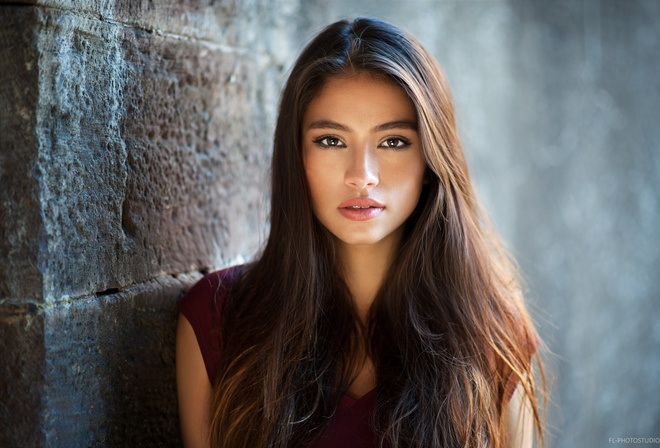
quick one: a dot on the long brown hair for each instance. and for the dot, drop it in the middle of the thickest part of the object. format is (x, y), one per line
(448, 333)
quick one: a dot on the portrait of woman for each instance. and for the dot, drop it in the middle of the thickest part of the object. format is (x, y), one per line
(382, 310)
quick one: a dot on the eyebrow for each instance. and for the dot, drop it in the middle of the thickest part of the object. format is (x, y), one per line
(398, 124)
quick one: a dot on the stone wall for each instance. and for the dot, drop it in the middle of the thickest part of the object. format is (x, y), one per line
(134, 143)
(133, 147)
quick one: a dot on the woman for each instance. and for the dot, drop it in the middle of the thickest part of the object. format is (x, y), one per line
(381, 312)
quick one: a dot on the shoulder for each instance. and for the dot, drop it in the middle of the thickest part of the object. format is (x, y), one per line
(202, 307)
(208, 293)
(211, 286)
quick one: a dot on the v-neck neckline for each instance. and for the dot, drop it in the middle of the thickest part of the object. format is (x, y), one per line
(349, 401)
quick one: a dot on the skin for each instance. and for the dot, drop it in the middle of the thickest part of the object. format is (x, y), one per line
(360, 140)
(519, 421)
(193, 387)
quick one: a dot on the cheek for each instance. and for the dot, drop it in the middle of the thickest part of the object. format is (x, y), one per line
(410, 177)
(414, 187)
(411, 192)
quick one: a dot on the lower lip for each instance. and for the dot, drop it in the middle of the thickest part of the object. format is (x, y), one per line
(360, 214)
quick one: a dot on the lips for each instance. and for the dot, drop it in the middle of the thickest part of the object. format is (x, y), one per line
(360, 209)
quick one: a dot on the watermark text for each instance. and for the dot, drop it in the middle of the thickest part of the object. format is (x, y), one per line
(633, 440)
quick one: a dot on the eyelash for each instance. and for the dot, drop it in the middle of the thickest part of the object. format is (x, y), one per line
(319, 142)
(402, 143)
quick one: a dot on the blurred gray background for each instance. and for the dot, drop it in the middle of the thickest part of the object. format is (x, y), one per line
(135, 142)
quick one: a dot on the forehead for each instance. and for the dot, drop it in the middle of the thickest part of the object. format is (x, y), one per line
(361, 96)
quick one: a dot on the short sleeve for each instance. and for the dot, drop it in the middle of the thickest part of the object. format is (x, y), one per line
(202, 306)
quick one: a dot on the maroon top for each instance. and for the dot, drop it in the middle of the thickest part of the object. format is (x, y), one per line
(350, 426)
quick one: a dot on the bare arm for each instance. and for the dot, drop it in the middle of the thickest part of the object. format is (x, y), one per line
(519, 420)
(193, 387)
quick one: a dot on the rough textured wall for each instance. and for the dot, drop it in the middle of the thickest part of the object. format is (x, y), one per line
(558, 107)
(133, 147)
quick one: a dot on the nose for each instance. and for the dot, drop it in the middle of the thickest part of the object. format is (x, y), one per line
(362, 171)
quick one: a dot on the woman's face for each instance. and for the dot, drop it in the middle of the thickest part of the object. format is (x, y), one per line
(363, 159)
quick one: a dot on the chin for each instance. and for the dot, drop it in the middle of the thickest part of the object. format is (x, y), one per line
(360, 240)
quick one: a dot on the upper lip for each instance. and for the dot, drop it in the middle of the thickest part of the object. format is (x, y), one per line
(361, 202)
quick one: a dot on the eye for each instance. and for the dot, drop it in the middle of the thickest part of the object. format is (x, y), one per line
(395, 143)
(329, 141)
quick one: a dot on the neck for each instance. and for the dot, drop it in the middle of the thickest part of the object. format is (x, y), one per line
(365, 267)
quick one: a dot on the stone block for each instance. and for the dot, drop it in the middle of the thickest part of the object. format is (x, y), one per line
(146, 157)
(96, 372)
(197, 156)
(110, 368)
